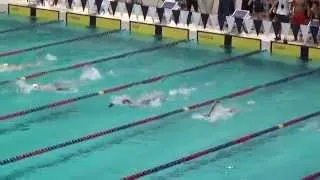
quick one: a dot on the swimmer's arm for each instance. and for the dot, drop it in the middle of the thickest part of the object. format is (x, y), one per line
(212, 108)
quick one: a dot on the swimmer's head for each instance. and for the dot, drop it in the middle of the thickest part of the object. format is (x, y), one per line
(35, 86)
(126, 101)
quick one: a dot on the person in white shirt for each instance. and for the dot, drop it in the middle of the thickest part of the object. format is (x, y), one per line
(282, 11)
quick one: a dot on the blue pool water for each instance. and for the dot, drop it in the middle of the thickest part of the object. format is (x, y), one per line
(288, 154)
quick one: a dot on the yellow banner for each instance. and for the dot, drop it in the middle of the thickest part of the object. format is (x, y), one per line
(78, 19)
(19, 10)
(141, 28)
(108, 24)
(208, 38)
(314, 54)
(285, 49)
(175, 33)
(50, 15)
(246, 43)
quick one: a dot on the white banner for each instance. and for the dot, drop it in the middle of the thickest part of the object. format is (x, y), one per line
(305, 32)
(152, 12)
(183, 17)
(266, 26)
(230, 22)
(213, 20)
(195, 19)
(285, 28)
(248, 23)
(92, 8)
(105, 7)
(76, 4)
(137, 11)
(121, 8)
(167, 14)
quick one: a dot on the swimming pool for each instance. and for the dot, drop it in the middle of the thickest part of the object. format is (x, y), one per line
(291, 152)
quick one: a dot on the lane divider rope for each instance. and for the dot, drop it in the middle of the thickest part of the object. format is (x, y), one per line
(106, 132)
(220, 147)
(100, 60)
(314, 176)
(121, 87)
(19, 51)
(33, 25)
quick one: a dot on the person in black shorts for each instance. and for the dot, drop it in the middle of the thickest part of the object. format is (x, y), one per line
(193, 3)
(226, 8)
(258, 8)
(282, 12)
(247, 6)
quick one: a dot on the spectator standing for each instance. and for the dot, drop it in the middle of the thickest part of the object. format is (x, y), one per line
(258, 8)
(282, 11)
(246, 5)
(299, 12)
(271, 9)
(226, 8)
(193, 3)
(314, 12)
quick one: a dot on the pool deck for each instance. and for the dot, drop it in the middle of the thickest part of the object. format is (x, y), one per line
(265, 39)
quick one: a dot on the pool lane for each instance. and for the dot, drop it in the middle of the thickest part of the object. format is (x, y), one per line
(160, 142)
(114, 73)
(74, 53)
(113, 118)
(119, 154)
(9, 22)
(40, 35)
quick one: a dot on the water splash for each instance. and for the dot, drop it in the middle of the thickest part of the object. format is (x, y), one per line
(220, 113)
(251, 102)
(111, 73)
(182, 91)
(51, 57)
(90, 73)
(153, 99)
(23, 87)
(118, 100)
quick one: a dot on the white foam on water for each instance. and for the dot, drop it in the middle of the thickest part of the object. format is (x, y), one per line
(311, 126)
(90, 73)
(182, 91)
(51, 57)
(251, 102)
(220, 113)
(111, 73)
(154, 98)
(119, 99)
(156, 103)
(70, 91)
(24, 87)
(208, 84)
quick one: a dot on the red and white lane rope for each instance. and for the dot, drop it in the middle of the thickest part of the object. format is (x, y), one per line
(220, 147)
(121, 87)
(156, 118)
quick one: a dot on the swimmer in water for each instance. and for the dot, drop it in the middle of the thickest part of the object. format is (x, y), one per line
(16, 67)
(214, 106)
(51, 87)
(124, 102)
(144, 101)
